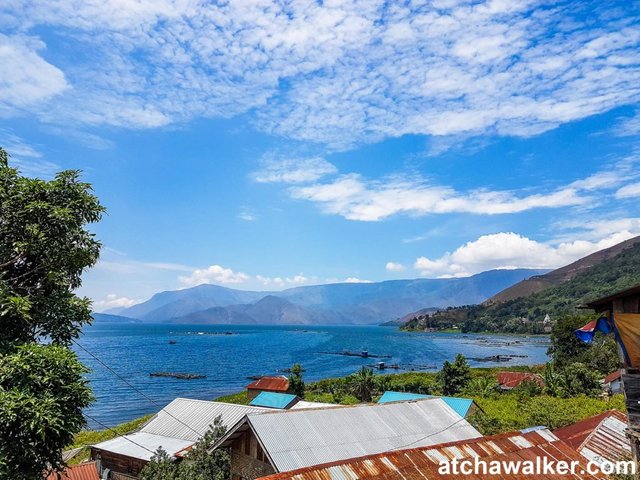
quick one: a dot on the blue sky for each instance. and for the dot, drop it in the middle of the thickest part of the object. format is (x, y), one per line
(264, 145)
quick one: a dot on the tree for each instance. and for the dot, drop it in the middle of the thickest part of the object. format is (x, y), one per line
(454, 377)
(296, 383)
(44, 249)
(199, 463)
(363, 384)
(578, 379)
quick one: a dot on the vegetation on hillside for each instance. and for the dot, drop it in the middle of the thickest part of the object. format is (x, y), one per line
(44, 249)
(527, 314)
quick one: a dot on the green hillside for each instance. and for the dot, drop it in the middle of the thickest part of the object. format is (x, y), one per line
(526, 314)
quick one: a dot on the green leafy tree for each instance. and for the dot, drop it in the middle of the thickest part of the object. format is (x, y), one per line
(44, 249)
(296, 383)
(454, 377)
(578, 379)
(482, 387)
(363, 384)
(199, 463)
(160, 467)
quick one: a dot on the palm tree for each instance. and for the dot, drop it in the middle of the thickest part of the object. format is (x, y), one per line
(363, 384)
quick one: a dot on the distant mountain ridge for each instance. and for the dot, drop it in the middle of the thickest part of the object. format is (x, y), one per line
(340, 303)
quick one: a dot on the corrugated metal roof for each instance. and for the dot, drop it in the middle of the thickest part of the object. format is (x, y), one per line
(273, 400)
(194, 417)
(177, 426)
(274, 384)
(302, 438)
(509, 380)
(577, 433)
(423, 463)
(143, 445)
(304, 404)
(83, 471)
(460, 405)
(598, 438)
(613, 376)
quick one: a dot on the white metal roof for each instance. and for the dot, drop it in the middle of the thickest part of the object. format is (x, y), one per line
(143, 445)
(178, 425)
(304, 404)
(302, 438)
(190, 419)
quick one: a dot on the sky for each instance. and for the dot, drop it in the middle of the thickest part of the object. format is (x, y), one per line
(265, 145)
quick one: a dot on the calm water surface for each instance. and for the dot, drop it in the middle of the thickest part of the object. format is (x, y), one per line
(134, 351)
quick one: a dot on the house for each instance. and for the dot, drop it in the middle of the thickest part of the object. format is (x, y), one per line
(510, 380)
(599, 438)
(613, 382)
(83, 471)
(277, 384)
(175, 428)
(282, 401)
(462, 406)
(425, 462)
(286, 440)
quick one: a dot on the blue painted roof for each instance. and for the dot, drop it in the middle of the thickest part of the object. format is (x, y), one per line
(273, 400)
(459, 405)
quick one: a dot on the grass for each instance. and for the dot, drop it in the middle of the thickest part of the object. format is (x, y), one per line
(239, 398)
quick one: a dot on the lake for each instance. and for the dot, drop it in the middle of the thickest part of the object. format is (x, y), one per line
(134, 351)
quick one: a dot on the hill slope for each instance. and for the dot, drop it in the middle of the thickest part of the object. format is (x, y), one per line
(108, 318)
(342, 303)
(526, 314)
(538, 283)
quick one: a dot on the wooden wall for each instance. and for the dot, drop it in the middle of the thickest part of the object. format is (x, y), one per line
(118, 463)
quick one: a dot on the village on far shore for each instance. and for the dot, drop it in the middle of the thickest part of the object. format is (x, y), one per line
(272, 432)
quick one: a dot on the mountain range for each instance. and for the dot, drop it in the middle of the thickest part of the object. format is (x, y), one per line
(339, 303)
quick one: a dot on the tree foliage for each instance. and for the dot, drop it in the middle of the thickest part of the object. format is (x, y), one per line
(198, 464)
(44, 249)
(363, 384)
(454, 377)
(296, 383)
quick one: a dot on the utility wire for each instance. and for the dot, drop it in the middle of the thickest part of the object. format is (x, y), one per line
(118, 434)
(425, 437)
(137, 390)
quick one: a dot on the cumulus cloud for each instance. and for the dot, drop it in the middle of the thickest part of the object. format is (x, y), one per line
(213, 274)
(507, 250)
(355, 280)
(293, 170)
(25, 77)
(280, 282)
(113, 301)
(395, 267)
(337, 73)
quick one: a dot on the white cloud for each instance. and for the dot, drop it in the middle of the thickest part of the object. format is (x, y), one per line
(356, 198)
(509, 250)
(395, 267)
(355, 280)
(629, 126)
(337, 73)
(247, 214)
(629, 191)
(25, 77)
(113, 301)
(280, 282)
(213, 274)
(293, 170)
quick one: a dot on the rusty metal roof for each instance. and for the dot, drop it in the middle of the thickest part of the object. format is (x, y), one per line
(424, 462)
(83, 471)
(613, 376)
(513, 379)
(271, 384)
(598, 438)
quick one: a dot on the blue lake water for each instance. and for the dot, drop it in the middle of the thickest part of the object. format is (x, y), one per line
(134, 351)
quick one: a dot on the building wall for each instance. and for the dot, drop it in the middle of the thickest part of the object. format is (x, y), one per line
(253, 392)
(118, 463)
(248, 460)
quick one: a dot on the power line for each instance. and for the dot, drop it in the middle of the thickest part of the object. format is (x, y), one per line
(137, 390)
(118, 434)
(427, 436)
